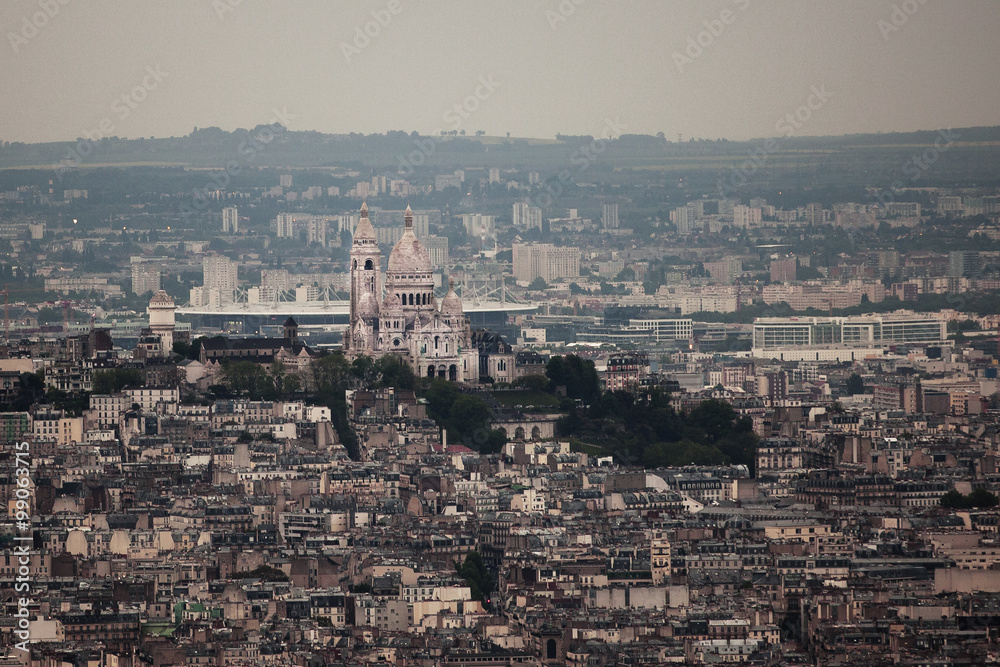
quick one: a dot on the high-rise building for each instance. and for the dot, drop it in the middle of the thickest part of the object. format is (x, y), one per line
(382, 217)
(905, 209)
(963, 264)
(145, 277)
(316, 231)
(273, 282)
(285, 180)
(745, 217)
(401, 188)
(784, 270)
(545, 261)
(815, 214)
(494, 175)
(347, 221)
(421, 224)
(230, 220)
(363, 190)
(437, 248)
(442, 181)
(527, 216)
(950, 205)
(683, 218)
(478, 225)
(725, 269)
(219, 274)
(285, 228)
(609, 219)
(388, 235)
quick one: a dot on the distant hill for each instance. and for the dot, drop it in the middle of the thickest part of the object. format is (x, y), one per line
(973, 156)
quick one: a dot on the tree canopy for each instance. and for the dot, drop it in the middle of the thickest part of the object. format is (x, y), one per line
(577, 375)
(979, 498)
(113, 380)
(465, 416)
(479, 579)
(646, 430)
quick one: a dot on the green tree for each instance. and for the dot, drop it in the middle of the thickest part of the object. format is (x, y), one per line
(953, 499)
(465, 416)
(395, 372)
(803, 272)
(190, 350)
(577, 375)
(479, 579)
(30, 390)
(292, 384)
(113, 380)
(331, 375)
(538, 284)
(364, 371)
(855, 385)
(247, 378)
(983, 498)
(979, 498)
(533, 382)
(714, 417)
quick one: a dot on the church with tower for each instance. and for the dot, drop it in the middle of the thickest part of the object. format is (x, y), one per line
(401, 315)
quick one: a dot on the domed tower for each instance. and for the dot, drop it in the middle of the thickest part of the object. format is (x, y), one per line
(409, 274)
(366, 286)
(451, 307)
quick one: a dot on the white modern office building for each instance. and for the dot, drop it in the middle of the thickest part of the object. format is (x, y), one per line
(843, 338)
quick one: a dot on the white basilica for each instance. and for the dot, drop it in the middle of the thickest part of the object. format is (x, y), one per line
(406, 320)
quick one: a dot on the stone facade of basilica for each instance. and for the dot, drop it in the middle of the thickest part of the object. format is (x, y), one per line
(401, 316)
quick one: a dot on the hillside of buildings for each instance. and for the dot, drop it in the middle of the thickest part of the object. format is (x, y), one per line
(644, 416)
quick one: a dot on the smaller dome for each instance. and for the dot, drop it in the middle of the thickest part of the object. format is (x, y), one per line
(451, 304)
(367, 306)
(392, 306)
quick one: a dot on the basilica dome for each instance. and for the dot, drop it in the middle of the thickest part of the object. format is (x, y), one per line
(409, 255)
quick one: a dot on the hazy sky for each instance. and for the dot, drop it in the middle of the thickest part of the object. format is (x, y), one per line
(539, 67)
